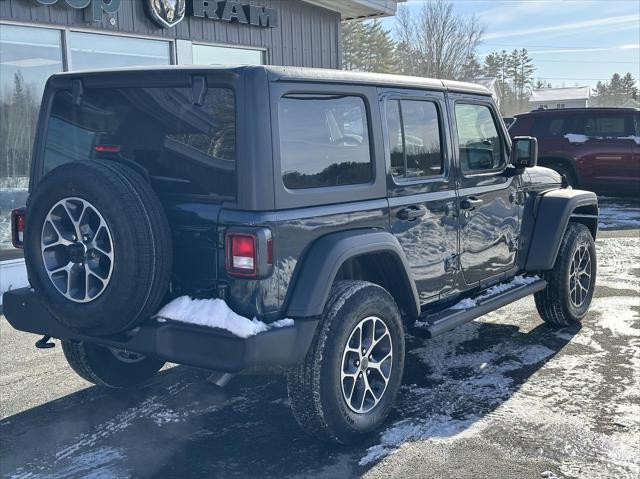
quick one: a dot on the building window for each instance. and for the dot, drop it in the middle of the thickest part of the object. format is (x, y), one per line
(414, 138)
(92, 50)
(28, 56)
(213, 55)
(324, 141)
(560, 105)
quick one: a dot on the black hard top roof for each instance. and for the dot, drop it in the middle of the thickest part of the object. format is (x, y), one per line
(277, 73)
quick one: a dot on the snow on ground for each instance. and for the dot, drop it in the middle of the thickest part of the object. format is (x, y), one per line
(618, 213)
(215, 313)
(582, 409)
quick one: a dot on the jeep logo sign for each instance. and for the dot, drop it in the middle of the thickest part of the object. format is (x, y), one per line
(168, 13)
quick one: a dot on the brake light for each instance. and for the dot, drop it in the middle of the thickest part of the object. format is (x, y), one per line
(107, 148)
(242, 254)
(18, 222)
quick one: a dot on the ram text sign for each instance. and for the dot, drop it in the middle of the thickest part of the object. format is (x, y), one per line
(168, 13)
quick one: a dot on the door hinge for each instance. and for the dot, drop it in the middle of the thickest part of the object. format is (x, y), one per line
(221, 234)
(452, 263)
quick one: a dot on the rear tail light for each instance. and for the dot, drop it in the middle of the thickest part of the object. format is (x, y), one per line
(249, 253)
(243, 257)
(18, 222)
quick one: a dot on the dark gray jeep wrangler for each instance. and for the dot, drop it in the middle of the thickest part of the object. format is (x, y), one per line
(360, 206)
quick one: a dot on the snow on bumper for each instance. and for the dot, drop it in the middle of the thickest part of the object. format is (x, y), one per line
(177, 342)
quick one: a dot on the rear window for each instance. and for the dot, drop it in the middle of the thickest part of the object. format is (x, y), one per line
(185, 148)
(324, 141)
(551, 126)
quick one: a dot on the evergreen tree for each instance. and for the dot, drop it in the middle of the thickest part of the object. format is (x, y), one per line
(471, 69)
(491, 67)
(629, 86)
(367, 46)
(616, 91)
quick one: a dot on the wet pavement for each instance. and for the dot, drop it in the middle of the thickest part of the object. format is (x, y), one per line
(501, 397)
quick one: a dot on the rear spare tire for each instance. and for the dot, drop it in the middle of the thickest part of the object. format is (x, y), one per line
(97, 246)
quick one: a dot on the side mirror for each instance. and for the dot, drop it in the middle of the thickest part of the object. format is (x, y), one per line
(524, 152)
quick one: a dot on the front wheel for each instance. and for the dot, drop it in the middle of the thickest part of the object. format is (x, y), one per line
(110, 367)
(351, 376)
(571, 282)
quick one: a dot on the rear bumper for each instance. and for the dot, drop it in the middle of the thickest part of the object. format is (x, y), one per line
(172, 341)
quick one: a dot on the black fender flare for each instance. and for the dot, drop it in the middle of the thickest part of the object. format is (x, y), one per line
(554, 210)
(312, 284)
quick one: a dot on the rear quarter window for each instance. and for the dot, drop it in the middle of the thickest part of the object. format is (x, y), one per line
(324, 141)
(183, 147)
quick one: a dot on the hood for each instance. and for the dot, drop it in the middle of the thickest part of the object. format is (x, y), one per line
(541, 176)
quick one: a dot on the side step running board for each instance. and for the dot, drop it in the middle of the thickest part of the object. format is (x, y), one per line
(470, 309)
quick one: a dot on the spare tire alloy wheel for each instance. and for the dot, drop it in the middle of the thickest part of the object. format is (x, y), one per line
(77, 249)
(366, 365)
(97, 246)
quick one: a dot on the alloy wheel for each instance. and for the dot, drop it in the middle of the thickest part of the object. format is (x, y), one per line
(366, 365)
(580, 276)
(77, 249)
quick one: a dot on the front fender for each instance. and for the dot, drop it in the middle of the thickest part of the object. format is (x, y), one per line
(320, 266)
(554, 211)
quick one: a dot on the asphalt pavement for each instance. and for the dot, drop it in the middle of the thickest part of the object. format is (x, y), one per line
(501, 397)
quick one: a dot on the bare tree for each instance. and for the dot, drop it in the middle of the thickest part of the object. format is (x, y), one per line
(436, 42)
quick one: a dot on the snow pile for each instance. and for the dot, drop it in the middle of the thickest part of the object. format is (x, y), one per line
(574, 138)
(215, 313)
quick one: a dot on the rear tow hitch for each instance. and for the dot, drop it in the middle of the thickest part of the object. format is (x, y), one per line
(44, 343)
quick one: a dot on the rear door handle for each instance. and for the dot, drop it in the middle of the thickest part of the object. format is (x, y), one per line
(471, 203)
(412, 212)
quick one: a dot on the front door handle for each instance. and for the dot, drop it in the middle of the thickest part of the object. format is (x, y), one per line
(412, 212)
(471, 203)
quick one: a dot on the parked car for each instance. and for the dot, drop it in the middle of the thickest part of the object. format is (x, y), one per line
(594, 148)
(339, 210)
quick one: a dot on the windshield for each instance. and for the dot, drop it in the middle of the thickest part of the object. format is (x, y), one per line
(183, 147)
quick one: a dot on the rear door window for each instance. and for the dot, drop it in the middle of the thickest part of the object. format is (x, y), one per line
(480, 147)
(413, 128)
(183, 147)
(610, 125)
(551, 126)
(324, 141)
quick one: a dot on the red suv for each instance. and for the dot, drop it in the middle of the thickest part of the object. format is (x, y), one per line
(594, 148)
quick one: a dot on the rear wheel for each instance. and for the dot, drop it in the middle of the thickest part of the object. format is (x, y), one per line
(571, 282)
(351, 376)
(110, 367)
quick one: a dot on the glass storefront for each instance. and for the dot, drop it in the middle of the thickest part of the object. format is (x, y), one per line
(28, 56)
(214, 55)
(92, 50)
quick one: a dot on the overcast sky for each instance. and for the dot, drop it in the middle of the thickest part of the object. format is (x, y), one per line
(571, 41)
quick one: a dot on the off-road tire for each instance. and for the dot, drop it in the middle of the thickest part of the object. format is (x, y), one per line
(100, 365)
(142, 247)
(553, 303)
(314, 386)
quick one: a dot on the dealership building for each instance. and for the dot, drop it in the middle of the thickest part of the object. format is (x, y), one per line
(42, 37)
